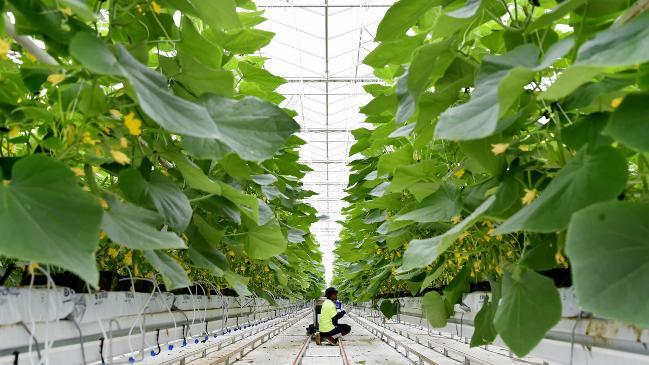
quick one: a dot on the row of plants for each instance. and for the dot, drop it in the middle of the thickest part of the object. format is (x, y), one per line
(144, 138)
(507, 148)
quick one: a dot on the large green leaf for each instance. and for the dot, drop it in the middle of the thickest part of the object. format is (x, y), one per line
(400, 17)
(202, 247)
(94, 55)
(238, 283)
(247, 40)
(629, 122)
(393, 53)
(485, 331)
(529, 307)
(442, 205)
(434, 307)
(389, 308)
(194, 44)
(622, 46)
(499, 84)
(478, 118)
(194, 176)
(251, 127)
(589, 177)
(264, 242)
(136, 227)
(554, 14)
(45, 217)
(429, 64)
(209, 149)
(173, 274)
(220, 14)
(609, 255)
(407, 175)
(159, 191)
(169, 111)
(81, 9)
(422, 252)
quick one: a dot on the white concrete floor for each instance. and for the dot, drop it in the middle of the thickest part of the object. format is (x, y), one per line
(361, 346)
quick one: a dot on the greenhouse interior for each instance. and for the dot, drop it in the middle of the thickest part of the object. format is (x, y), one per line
(446, 182)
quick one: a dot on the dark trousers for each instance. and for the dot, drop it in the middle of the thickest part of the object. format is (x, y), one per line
(340, 329)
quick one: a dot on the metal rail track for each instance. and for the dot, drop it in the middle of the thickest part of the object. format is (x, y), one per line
(268, 330)
(450, 352)
(305, 346)
(303, 349)
(395, 343)
(343, 353)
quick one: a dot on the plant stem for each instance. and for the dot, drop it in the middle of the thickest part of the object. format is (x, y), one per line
(90, 178)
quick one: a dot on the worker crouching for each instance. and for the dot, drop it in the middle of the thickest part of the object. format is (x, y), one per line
(329, 327)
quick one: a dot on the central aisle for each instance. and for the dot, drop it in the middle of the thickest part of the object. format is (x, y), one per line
(361, 347)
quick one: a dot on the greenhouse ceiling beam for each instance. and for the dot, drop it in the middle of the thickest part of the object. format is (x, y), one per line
(332, 79)
(325, 6)
(323, 130)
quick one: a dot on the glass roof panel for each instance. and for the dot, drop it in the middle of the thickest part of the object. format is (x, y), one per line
(319, 48)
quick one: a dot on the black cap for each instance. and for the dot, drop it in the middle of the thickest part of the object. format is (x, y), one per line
(330, 291)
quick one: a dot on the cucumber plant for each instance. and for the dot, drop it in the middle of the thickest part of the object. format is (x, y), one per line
(509, 141)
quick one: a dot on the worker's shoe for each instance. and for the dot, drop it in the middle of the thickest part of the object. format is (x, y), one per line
(318, 340)
(332, 341)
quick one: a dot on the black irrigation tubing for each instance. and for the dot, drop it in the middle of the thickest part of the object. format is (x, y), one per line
(157, 342)
(101, 350)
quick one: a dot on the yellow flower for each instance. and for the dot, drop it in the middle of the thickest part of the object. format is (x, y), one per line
(530, 195)
(499, 269)
(499, 237)
(128, 258)
(99, 152)
(120, 157)
(558, 257)
(464, 235)
(55, 79)
(524, 148)
(115, 113)
(156, 7)
(133, 124)
(14, 132)
(616, 102)
(123, 142)
(113, 252)
(456, 219)
(4, 48)
(103, 203)
(266, 269)
(139, 8)
(69, 134)
(149, 275)
(77, 171)
(30, 57)
(231, 253)
(499, 148)
(86, 138)
(32, 267)
(66, 11)
(459, 173)
(102, 235)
